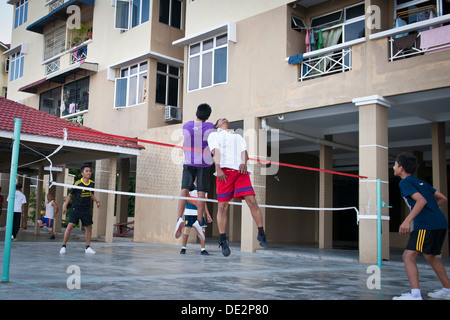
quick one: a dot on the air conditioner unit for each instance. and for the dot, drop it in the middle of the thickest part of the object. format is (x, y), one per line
(172, 114)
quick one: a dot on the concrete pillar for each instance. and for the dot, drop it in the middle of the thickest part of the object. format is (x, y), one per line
(123, 184)
(439, 158)
(103, 218)
(256, 146)
(59, 199)
(326, 197)
(39, 192)
(26, 182)
(373, 163)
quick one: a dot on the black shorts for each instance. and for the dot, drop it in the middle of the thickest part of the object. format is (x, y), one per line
(84, 216)
(189, 175)
(427, 241)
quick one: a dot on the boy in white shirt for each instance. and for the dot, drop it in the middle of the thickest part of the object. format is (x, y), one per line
(233, 180)
(51, 208)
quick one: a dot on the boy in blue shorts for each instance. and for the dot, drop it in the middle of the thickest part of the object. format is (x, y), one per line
(429, 227)
(51, 209)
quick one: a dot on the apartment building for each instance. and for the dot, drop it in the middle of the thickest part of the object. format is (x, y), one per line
(336, 85)
(4, 66)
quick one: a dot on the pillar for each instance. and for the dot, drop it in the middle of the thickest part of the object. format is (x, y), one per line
(439, 164)
(103, 218)
(373, 163)
(326, 197)
(123, 184)
(59, 199)
(39, 192)
(256, 146)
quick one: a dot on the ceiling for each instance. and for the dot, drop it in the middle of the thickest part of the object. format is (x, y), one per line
(409, 122)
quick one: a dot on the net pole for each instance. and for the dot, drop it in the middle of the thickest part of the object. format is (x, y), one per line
(11, 199)
(379, 222)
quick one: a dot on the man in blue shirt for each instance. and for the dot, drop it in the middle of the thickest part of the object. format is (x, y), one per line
(429, 227)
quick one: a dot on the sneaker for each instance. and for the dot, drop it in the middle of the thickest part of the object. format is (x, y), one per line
(225, 248)
(440, 294)
(178, 228)
(52, 236)
(407, 296)
(262, 240)
(89, 250)
(199, 230)
(63, 250)
(183, 251)
(204, 253)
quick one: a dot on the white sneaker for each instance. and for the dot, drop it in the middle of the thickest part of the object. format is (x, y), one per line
(178, 228)
(407, 296)
(89, 250)
(63, 250)
(440, 294)
(199, 229)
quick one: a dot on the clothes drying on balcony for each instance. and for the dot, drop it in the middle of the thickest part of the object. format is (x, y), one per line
(434, 39)
(405, 43)
(296, 59)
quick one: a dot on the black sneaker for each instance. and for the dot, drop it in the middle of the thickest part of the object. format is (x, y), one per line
(204, 253)
(225, 248)
(262, 240)
(183, 251)
(52, 236)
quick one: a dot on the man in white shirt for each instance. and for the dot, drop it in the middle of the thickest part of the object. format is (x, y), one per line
(19, 210)
(233, 180)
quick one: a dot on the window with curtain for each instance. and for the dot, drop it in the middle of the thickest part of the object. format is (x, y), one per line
(208, 62)
(131, 86)
(131, 13)
(339, 26)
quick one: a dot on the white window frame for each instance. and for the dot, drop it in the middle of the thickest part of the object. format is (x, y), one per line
(167, 76)
(344, 18)
(16, 66)
(20, 13)
(126, 78)
(201, 54)
(130, 14)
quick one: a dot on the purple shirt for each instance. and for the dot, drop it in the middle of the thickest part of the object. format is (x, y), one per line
(196, 137)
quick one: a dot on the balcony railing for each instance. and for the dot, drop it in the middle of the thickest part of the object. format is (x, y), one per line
(410, 40)
(327, 61)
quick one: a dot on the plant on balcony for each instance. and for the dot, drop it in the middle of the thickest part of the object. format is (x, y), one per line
(84, 33)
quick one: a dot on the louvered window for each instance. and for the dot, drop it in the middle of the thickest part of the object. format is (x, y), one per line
(54, 42)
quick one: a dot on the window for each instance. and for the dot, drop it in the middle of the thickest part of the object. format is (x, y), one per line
(167, 84)
(170, 12)
(208, 62)
(410, 11)
(21, 13)
(54, 42)
(297, 24)
(50, 101)
(131, 87)
(131, 13)
(75, 97)
(340, 26)
(16, 66)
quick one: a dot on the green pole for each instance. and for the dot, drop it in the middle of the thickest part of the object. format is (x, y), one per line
(11, 198)
(379, 221)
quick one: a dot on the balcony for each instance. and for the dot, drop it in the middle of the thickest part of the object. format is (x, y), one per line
(58, 13)
(417, 39)
(327, 61)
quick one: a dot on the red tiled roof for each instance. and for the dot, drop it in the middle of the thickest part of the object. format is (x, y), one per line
(37, 122)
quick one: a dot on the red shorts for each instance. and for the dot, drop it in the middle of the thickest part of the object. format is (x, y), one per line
(238, 185)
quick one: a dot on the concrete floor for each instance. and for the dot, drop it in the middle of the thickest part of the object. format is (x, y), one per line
(125, 270)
